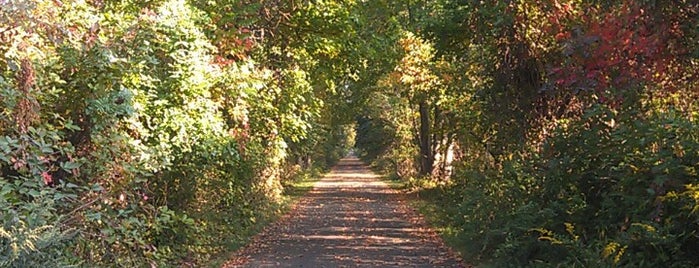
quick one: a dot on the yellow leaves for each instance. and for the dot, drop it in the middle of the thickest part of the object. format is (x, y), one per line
(678, 150)
(553, 240)
(693, 193)
(689, 198)
(645, 227)
(415, 68)
(22, 239)
(694, 190)
(571, 231)
(614, 250)
(550, 236)
(547, 235)
(328, 48)
(609, 249)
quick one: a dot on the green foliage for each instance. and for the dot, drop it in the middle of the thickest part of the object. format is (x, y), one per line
(142, 134)
(571, 150)
(32, 234)
(161, 133)
(596, 189)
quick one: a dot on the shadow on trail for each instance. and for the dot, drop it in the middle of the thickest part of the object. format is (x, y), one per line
(350, 218)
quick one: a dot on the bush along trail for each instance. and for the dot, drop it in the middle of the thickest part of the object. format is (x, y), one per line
(166, 133)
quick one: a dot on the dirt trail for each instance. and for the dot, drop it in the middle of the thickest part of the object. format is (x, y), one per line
(349, 219)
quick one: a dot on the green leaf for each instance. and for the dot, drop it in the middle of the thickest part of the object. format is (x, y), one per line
(69, 125)
(68, 166)
(7, 188)
(96, 216)
(47, 149)
(34, 193)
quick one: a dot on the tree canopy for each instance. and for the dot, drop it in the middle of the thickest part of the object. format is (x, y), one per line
(557, 132)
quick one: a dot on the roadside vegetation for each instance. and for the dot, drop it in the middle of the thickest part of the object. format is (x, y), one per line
(546, 133)
(165, 133)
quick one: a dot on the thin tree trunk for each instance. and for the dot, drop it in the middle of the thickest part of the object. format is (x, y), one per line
(426, 156)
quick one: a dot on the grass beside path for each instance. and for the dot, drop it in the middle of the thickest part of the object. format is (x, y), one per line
(436, 208)
(297, 188)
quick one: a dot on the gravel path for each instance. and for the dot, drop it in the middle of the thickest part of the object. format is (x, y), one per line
(349, 219)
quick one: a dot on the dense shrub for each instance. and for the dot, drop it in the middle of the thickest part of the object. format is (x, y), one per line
(573, 125)
(126, 139)
(610, 188)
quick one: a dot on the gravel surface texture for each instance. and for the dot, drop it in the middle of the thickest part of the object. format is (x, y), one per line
(349, 219)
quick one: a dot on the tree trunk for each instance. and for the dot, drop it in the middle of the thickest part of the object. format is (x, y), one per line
(426, 156)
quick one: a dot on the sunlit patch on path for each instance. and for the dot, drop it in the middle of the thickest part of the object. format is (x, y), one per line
(349, 219)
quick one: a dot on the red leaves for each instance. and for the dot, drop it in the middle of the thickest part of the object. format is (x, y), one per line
(562, 36)
(222, 61)
(48, 179)
(615, 49)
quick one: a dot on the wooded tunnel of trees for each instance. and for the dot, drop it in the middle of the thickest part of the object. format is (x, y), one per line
(160, 133)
